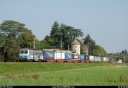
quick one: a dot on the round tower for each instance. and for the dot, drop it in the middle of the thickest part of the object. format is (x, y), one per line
(75, 47)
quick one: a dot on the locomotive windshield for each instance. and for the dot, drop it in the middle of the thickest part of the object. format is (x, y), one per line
(22, 52)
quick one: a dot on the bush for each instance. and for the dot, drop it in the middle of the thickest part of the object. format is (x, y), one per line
(35, 76)
(9, 75)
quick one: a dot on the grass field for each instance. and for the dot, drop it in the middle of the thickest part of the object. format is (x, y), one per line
(59, 74)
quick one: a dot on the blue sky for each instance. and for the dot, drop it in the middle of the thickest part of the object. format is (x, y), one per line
(105, 20)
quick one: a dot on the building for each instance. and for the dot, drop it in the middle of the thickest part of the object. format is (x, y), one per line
(84, 47)
(75, 47)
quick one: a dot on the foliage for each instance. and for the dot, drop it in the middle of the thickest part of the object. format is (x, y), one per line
(67, 33)
(49, 40)
(44, 45)
(90, 43)
(94, 49)
(122, 55)
(13, 36)
(26, 40)
(11, 28)
(99, 51)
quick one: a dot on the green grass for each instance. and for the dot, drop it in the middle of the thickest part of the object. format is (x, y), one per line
(55, 74)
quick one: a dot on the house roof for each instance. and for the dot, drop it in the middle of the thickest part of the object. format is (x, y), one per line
(75, 42)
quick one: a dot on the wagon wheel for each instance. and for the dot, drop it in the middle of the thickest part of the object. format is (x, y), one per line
(30, 60)
(39, 60)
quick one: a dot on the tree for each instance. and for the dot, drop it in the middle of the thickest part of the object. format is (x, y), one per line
(11, 28)
(44, 44)
(14, 34)
(94, 49)
(49, 41)
(120, 55)
(125, 51)
(64, 32)
(26, 40)
(99, 51)
(91, 43)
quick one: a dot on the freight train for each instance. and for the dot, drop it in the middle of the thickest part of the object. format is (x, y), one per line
(55, 55)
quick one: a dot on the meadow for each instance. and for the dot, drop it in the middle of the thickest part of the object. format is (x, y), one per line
(63, 74)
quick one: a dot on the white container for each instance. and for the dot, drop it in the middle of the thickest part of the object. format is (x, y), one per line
(75, 56)
(104, 58)
(58, 55)
(98, 59)
(91, 58)
(95, 58)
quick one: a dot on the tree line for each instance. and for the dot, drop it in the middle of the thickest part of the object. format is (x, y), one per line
(122, 55)
(14, 36)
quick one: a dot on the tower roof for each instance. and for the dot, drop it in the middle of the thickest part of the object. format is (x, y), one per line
(75, 42)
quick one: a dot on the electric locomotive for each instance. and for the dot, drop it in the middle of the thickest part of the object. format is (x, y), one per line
(30, 55)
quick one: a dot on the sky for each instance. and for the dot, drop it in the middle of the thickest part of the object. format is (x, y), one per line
(106, 21)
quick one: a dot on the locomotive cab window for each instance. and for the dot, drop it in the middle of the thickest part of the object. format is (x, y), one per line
(26, 51)
(22, 52)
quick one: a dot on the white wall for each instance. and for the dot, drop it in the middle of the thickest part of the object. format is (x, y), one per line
(77, 48)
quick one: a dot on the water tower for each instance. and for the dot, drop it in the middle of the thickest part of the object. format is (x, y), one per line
(75, 47)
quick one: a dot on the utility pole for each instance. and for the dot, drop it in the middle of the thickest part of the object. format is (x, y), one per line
(61, 47)
(33, 47)
(87, 51)
(34, 43)
(124, 59)
(68, 47)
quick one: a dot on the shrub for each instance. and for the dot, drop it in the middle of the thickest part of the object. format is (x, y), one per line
(9, 75)
(35, 76)
(122, 78)
(24, 76)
